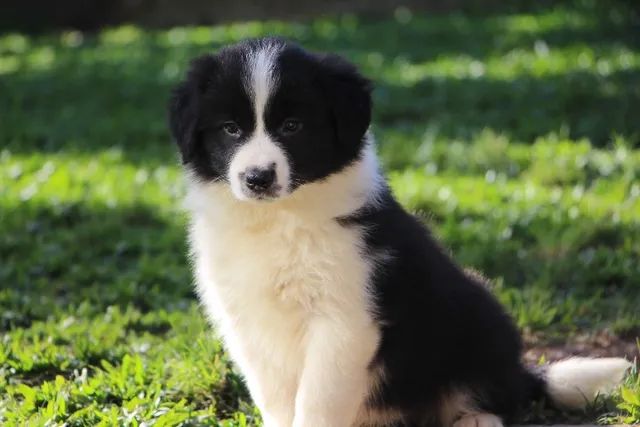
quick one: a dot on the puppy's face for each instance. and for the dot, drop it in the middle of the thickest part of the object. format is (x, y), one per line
(266, 117)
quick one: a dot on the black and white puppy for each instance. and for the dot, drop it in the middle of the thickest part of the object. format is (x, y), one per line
(338, 306)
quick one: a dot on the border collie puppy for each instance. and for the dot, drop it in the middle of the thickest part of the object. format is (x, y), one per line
(337, 305)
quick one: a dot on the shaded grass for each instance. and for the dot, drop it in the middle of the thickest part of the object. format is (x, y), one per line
(515, 136)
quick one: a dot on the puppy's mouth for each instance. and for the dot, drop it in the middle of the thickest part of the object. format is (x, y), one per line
(267, 195)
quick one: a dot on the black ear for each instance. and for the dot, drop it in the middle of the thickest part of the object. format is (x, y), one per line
(184, 104)
(349, 94)
(183, 118)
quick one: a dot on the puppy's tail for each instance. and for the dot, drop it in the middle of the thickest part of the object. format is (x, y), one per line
(575, 383)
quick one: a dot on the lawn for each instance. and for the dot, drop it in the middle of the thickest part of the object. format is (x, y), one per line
(515, 135)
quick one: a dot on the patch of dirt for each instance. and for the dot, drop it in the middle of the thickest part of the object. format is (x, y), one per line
(601, 343)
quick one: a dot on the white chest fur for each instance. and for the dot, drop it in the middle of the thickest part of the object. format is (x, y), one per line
(261, 282)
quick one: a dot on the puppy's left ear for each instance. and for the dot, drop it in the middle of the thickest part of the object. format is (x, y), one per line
(349, 94)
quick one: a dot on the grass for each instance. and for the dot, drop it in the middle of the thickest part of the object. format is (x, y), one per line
(515, 135)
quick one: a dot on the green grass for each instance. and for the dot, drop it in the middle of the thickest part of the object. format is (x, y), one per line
(515, 135)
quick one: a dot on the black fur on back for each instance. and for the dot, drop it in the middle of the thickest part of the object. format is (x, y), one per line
(442, 330)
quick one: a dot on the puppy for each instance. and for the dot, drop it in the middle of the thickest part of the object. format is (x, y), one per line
(339, 307)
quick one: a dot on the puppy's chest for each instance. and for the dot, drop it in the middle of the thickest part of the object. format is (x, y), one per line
(287, 266)
(261, 285)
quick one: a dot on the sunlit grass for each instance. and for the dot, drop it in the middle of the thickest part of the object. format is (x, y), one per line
(515, 136)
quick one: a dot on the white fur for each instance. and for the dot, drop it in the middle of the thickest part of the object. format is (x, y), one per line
(260, 151)
(287, 287)
(479, 420)
(261, 79)
(576, 382)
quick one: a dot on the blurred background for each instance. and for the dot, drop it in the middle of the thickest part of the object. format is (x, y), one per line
(511, 127)
(38, 15)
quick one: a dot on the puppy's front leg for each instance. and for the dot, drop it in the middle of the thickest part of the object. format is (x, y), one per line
(335, 377)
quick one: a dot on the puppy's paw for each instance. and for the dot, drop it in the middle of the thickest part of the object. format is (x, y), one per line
(479, 420)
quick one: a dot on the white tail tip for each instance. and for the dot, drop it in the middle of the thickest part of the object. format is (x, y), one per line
(576, 382)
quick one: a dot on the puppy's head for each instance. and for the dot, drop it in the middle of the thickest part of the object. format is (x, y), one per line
(265, 117)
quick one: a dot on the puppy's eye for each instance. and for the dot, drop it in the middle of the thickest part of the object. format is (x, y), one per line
(290, 126)
(231, 128)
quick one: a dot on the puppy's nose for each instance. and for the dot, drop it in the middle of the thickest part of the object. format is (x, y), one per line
(260, 179)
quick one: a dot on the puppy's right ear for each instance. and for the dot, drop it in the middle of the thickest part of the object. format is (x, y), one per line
(184, 105)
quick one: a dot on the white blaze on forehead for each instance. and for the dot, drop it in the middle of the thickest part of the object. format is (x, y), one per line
(262, 78)
(260, 151)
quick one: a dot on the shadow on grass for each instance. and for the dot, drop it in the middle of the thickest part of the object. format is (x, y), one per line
(56, 258)
(523, 108)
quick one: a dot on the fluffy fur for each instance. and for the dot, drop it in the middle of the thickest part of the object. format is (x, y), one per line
(339, 307)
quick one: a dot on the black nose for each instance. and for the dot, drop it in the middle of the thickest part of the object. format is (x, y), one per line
(258, 179)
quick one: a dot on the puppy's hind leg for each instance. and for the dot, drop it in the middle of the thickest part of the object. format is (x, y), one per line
(459, 409)
(479, 420)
